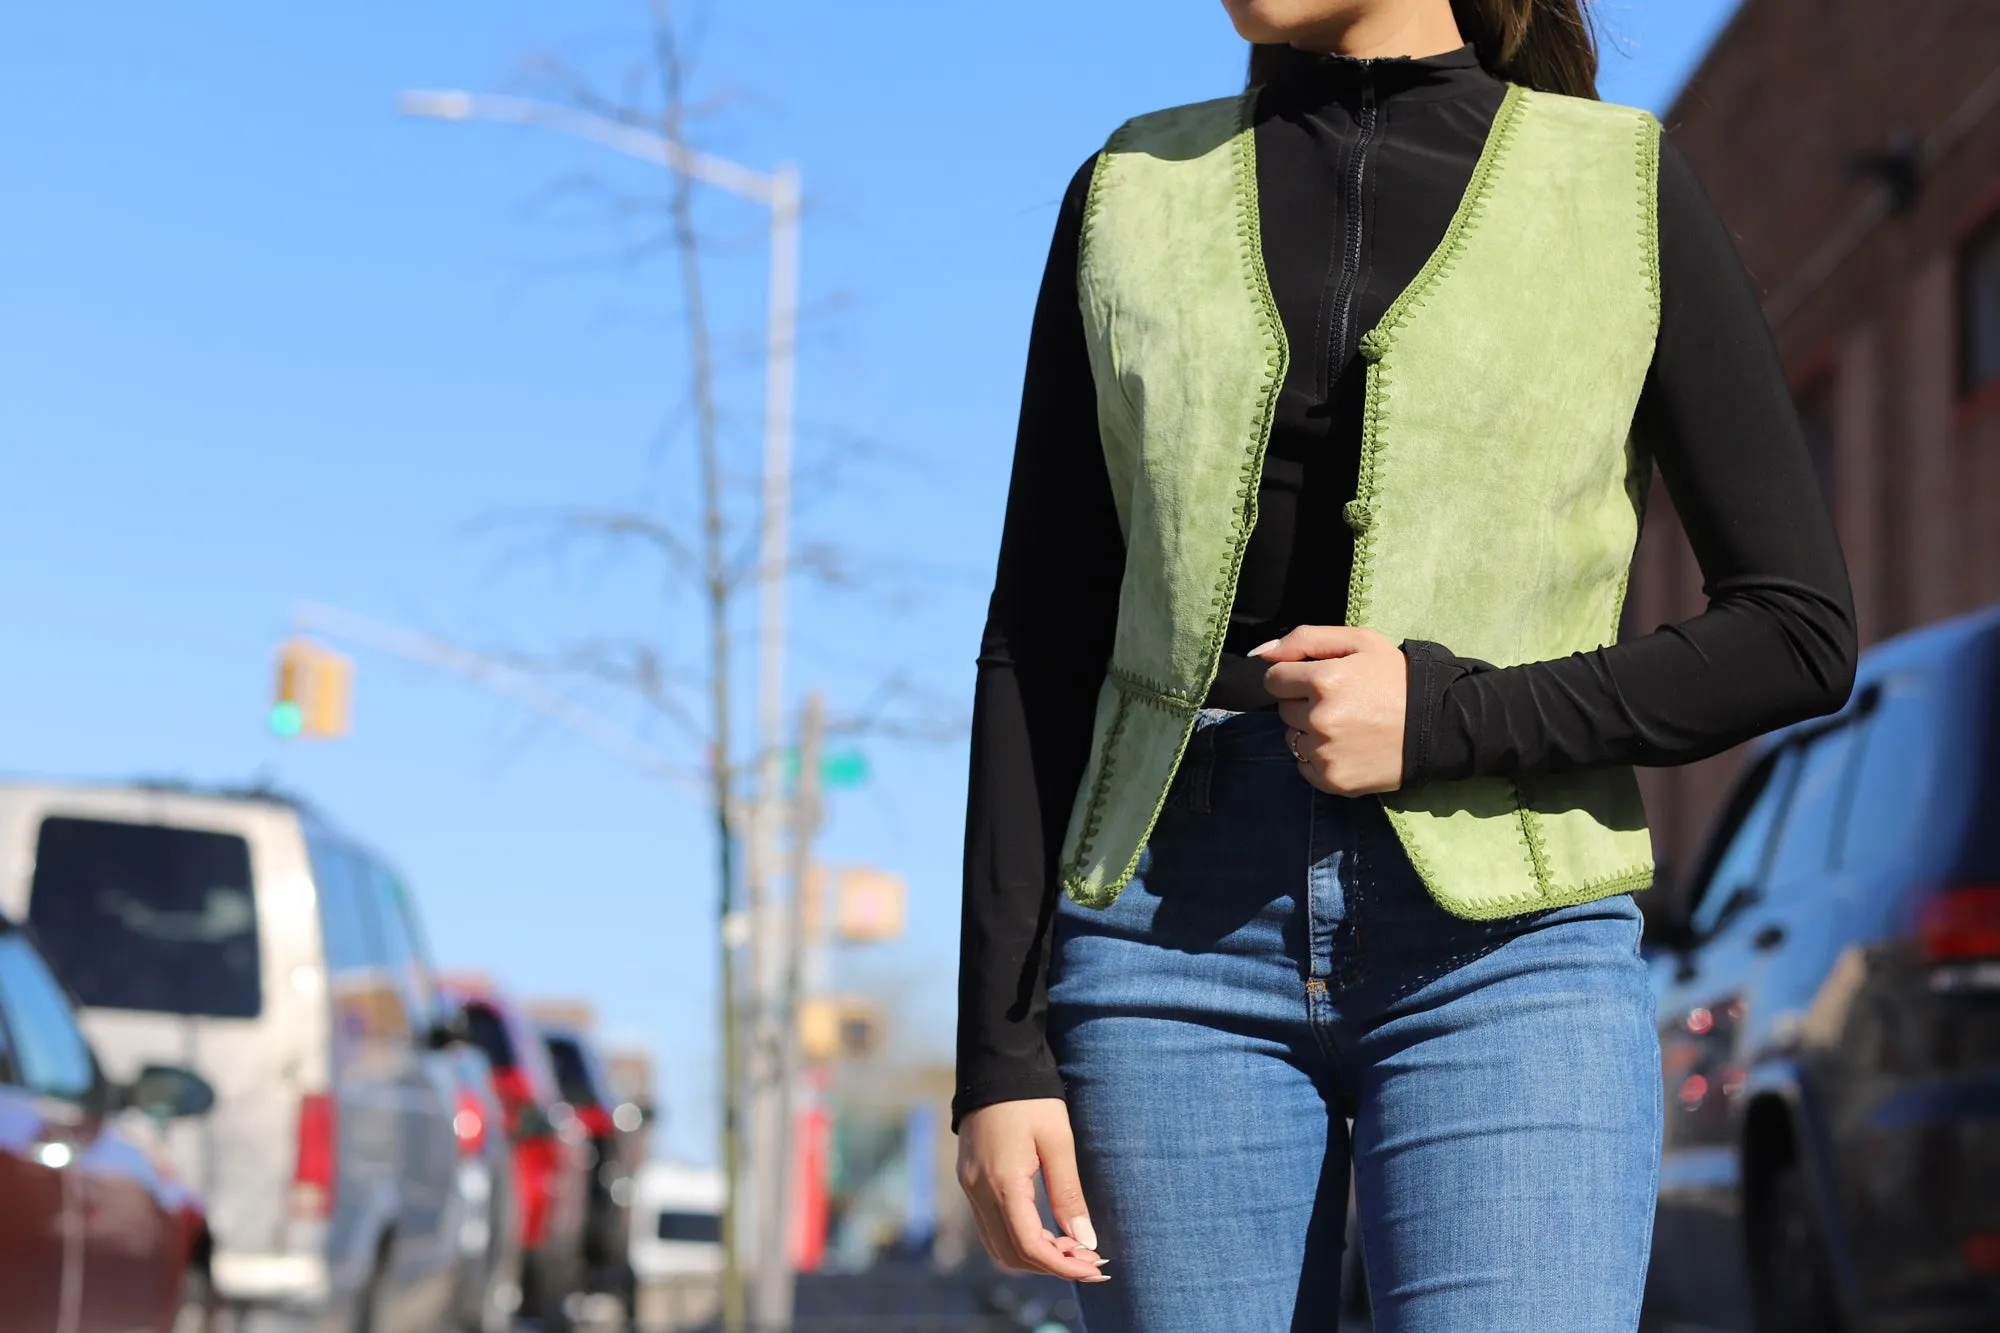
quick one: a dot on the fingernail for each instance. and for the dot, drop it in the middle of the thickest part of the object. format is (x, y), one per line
(1085, 1234)
(1263, 648)
(1101, 1262)
(1101, 1277)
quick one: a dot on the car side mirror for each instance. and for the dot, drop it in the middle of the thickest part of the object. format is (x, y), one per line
(454, 1029)
(166, 1092)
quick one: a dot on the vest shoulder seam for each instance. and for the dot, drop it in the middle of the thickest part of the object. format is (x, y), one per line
(1649, 210)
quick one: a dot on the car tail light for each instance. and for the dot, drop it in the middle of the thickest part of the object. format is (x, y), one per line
(312, 1179)
(1961, 924)
(468, 1123)
(596, 1121)
(536, 1162)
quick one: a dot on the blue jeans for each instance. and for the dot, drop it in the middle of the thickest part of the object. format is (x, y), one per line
(1277, 970)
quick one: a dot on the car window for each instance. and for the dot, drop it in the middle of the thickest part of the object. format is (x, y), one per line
(148, 917)
(1813, 819)
(573, 1073)
(420, 964)
(347, 933)
(1979, 858)
(8, 1076)
(696, 1228)
(48, 1049)
(400, 946)
(1741, 864)
(489, 1034)
(1898, 760)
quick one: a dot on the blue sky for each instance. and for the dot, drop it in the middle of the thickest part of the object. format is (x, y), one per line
(265, 342)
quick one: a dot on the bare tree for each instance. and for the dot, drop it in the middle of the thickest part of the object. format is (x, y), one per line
(712, 553)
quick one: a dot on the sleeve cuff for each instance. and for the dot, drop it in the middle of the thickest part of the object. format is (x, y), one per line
(1436, 744)
(1014, 1088)
(1420, 707)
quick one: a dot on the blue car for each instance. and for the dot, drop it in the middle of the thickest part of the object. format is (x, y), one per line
(1829, 1015)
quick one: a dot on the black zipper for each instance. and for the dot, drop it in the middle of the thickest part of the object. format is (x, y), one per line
(1350, 262)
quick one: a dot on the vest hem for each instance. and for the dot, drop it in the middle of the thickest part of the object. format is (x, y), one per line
(1633, 880)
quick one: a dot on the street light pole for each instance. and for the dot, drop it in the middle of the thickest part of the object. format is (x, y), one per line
(780, 192)
(771, 1286)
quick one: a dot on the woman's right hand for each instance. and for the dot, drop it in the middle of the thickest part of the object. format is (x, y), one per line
(1000, 1150)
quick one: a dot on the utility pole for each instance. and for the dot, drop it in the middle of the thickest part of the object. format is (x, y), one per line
(773, 1284)
(770, 1135)
(779, 191)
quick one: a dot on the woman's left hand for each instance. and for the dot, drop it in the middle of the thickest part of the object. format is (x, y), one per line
(1342, 693)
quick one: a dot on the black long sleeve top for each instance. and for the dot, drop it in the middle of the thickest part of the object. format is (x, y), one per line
(1360, 166)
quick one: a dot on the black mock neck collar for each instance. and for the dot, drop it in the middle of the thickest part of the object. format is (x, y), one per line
(1307, 78)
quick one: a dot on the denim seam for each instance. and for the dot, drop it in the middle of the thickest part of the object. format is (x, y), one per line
(1351, 916)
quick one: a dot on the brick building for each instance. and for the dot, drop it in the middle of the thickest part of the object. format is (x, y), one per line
(1853, 147)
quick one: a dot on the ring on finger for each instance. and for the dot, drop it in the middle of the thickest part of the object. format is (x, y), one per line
(1292, 736)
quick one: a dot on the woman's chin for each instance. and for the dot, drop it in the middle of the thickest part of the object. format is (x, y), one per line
(1275, 22)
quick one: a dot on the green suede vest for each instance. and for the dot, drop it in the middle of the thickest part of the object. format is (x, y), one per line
(1500, 489)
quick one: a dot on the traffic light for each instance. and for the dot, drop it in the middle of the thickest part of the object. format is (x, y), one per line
(315, 691)
(843, 1027)
(869, 905)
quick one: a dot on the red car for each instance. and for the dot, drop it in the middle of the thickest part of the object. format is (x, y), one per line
(551, 1149)
(95, 1236)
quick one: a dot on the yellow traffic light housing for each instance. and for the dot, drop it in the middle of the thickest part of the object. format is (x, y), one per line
(314, 691)
(870, 905)
(840, 1027)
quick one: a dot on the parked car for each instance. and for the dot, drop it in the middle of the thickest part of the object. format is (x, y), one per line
(550, 1151)
(489, 1240)
(242, 936)
(1829, 1016)
(612, 1127)
(95, 1237)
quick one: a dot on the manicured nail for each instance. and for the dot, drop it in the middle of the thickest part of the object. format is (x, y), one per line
(1085, 1234)
(1263, 648)
(1101, 1277)
(1101, 1262)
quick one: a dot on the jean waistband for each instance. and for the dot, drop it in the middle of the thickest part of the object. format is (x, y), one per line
(1222, 735)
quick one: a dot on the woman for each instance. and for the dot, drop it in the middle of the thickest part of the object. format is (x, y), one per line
(1301, 785)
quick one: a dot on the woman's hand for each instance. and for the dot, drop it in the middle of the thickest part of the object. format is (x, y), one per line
(1343, 693)
(1000, 1149)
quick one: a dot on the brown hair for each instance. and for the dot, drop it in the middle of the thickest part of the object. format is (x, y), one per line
(1547, 45)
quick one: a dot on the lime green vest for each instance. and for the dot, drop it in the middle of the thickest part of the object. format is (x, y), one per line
(1500, 489)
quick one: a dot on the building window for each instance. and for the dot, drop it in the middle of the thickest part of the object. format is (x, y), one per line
(1979, 309)
(1816, 413)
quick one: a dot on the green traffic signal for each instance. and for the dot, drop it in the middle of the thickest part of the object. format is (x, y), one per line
(844, 768)
(287, 718)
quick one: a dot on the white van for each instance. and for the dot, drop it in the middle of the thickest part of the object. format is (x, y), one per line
(238, 936)
(676, 1223)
